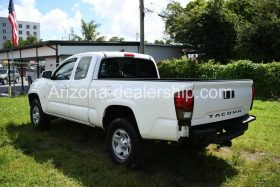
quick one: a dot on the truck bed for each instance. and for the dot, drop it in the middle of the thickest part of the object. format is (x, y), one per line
(176, 79)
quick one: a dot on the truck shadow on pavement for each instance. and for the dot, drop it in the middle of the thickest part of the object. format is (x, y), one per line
(80, 153)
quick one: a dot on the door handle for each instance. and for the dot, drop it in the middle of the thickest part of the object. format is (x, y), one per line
(109, 89)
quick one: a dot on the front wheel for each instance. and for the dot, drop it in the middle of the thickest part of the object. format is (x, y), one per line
(39, 119)
(123, 142)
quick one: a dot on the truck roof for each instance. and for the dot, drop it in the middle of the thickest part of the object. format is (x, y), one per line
(115, 55)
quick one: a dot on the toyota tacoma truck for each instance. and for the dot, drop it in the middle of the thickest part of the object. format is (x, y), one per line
(123, 94)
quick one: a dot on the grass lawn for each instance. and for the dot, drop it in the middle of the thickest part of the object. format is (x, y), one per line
(74, 155)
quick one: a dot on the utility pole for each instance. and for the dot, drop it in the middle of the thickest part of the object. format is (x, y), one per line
(142, 27)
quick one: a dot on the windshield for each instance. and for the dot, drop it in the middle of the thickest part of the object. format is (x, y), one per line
(3, 71)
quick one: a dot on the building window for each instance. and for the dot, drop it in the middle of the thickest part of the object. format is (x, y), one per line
(4, 24)
(20, 32)
(34, 27)
(35, 33)
(4, 31)
(4, 38)
(20, 38)
(20, 26)
(27, 26)
(28, 33)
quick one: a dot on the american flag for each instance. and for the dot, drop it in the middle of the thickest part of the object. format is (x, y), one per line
(13, 21)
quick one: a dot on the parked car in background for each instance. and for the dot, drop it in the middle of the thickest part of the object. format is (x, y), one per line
(4, 76)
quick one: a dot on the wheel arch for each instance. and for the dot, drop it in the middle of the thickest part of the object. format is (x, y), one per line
(32, 97)
(115, 111)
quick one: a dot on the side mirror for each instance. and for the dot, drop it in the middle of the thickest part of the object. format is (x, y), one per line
(46, 74)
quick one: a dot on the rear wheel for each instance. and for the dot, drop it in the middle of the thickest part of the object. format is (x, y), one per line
(123, 142)
(39, 119)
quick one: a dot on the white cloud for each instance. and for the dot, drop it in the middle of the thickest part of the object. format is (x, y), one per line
(124, 17)
(116, 18)
(55, 24)
(59, 23)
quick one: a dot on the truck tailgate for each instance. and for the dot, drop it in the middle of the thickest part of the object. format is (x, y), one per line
(221, 100)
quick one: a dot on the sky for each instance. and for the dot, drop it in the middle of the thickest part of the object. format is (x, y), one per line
(116, 18)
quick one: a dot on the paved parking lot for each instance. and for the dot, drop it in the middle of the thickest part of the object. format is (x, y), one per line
(15, 88)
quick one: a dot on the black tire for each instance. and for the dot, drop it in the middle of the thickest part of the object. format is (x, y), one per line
(133, 148)
(39, 119)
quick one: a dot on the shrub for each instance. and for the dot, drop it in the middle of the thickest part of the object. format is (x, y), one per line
(178, 68)
(266, 77)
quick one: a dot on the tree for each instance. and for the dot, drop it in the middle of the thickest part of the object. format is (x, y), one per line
(158, 42)
(164, 41)
(205, 26)
(227, 29)
(89, 31)
(101, 39)
(217, 32)
(7, 44)
(30, 40)
(258, 29)
(116, 39)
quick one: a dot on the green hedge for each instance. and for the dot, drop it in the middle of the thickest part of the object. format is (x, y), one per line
(266, 76)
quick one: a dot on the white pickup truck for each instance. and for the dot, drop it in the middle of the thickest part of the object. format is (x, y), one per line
(123, 94)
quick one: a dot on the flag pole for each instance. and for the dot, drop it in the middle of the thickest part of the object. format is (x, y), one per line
(9, 74)
(14, 41)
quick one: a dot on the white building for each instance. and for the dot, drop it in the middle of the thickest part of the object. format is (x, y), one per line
(51, 53)
(25, 29)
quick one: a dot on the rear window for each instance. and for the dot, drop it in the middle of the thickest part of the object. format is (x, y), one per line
(127, 68)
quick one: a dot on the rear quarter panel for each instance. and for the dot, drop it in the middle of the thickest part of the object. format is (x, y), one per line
(156, 116)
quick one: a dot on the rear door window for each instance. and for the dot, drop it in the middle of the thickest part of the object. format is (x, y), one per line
(82, 68)
(127, 68)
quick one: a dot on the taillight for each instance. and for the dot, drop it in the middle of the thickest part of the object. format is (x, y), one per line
(254, 95)
(129, 55)
(184, 102)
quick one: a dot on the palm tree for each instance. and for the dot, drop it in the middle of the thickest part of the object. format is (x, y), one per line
(89, 31)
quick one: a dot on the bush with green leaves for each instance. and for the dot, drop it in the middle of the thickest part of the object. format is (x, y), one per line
(266, 77)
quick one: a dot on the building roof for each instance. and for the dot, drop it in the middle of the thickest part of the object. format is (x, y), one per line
(84, 43)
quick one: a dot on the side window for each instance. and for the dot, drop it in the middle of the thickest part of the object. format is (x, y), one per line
(82, 69)
(65, 71)
(110, 68)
